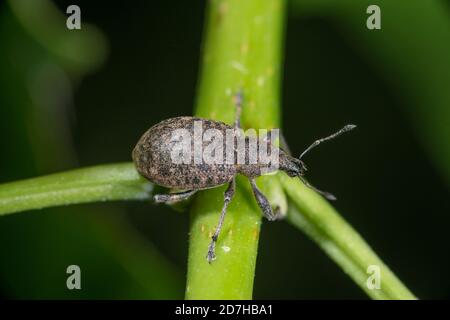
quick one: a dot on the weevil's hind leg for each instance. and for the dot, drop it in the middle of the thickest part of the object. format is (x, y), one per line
(263, 203)
(173, 197)
(229, 193)
(238, 103)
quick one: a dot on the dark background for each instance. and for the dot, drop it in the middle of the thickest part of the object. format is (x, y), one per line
(391, 184)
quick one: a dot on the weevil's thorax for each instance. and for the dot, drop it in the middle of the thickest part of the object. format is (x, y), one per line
(261, 157)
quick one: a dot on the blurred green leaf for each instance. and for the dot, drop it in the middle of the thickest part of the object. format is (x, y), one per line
(35, 249)
(78, 52)
(411, 52)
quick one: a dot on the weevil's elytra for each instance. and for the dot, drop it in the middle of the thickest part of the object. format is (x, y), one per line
(153, 157)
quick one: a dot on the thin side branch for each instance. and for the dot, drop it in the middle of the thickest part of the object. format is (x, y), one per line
(98, 183)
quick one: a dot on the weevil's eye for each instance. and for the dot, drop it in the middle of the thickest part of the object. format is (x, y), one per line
(302, 168)
(292, 173)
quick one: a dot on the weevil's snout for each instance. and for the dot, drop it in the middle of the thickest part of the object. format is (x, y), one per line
(292, 166)
(301, 167)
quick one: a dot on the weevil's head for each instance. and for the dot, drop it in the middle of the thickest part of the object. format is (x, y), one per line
(294, 167)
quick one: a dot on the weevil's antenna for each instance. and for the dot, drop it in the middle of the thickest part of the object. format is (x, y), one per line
(327, 195)
(334, 135)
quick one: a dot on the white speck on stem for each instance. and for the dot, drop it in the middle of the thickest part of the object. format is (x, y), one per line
(260, 81)
(148, 187)
(244, 48)
(239, 66)
(258, 20)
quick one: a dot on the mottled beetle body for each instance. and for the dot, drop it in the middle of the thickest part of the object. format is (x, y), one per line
(153, 157)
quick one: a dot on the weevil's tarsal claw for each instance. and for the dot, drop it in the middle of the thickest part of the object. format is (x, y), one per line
(325, 194)
(329, 196)
(160, 198)
(170, 198)
(227, 199)
(277, 213)
(211, 256)
(262, 201)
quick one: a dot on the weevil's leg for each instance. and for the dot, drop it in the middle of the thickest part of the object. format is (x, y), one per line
(284, 145)
(238, 103)
(229, 193)
(327, 195)
(263, 202)
(173, 197)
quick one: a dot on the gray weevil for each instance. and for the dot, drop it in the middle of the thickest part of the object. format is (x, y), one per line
(152, 157)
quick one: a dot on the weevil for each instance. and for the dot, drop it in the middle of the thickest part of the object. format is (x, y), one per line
(153, 158)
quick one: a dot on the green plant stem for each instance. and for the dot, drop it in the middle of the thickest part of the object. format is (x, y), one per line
(321, 222)
(98, 183)
(242, 51)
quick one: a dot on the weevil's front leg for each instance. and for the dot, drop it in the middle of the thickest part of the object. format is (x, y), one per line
(238, 103)
(275, 134)
(263, 202)
(229, 193)
(173, 197)
(284, 146)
